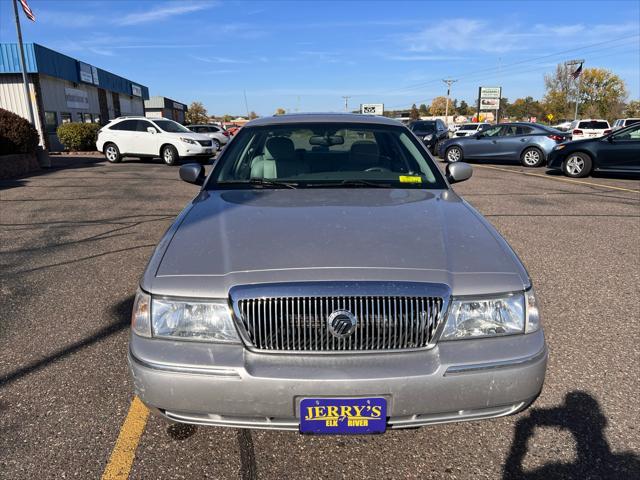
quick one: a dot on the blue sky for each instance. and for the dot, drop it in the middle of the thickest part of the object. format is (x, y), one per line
(306, 55)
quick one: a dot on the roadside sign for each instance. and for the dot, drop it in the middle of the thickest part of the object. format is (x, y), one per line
(489, 103)
(372, 108)
(490, 92)
(550, 116)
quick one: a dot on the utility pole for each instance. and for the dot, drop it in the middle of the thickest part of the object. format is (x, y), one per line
(246, 104)
(346, 102)
(579, 63)
(449, 82)
(23, 65)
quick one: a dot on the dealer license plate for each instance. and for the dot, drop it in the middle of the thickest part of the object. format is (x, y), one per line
(343, 416)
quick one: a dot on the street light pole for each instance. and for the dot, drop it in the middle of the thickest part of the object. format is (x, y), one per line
(579, 63)
(23, 66)
(449, 82)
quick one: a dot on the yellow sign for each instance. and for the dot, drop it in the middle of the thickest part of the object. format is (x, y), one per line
(409, 179)
(550, 116)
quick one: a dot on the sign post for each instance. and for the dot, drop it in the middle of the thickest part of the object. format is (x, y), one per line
(23, 65)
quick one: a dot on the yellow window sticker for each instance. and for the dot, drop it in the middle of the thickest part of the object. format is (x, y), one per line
(410, 179)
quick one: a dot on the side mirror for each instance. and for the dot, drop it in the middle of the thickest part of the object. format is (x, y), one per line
(479, 135)
(458, 172)
(192, 173)
(151, 130)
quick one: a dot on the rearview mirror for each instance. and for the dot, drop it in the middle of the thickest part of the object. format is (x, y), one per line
(192, 173)
(151, 130)
(326, 141)
(458, 172)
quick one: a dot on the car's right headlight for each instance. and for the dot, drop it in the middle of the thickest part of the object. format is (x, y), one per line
(188, 140)
(183, 319)
(509, 314)
(427, 138)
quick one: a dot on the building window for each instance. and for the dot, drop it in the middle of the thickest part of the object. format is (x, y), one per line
(50, 122)
(96, 119)
(65, 117)
(86, 118)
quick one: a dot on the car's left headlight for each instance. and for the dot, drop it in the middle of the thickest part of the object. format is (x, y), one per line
(188, 140)
(181, 319)
(509, 314)
(428, 137)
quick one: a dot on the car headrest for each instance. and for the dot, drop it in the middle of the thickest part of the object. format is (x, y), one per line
(280, 148)
(364, 151)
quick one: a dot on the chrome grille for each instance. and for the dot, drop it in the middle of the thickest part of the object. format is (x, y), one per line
(300, 323)
(205, 143)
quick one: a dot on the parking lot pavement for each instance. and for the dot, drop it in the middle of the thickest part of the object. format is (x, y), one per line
(74, 240)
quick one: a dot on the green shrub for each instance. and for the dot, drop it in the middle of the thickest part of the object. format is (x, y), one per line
(78, 136)
(17, 135)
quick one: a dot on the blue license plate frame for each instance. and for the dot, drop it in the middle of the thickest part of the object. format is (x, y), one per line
(343, 416)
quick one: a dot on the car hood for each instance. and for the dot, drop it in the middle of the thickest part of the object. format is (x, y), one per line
(191, 135)
(235, 237)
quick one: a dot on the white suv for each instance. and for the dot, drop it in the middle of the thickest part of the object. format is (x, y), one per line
(624, 122)
(218, 134)
(589, 128)
(158, 137)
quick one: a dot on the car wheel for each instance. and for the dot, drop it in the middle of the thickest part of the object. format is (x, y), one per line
(170, 155)
(112, 153)
(532, 157)
(577, 165)
(216, 144)
(453, 154)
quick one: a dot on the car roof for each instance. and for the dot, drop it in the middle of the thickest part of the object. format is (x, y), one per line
(323, 118)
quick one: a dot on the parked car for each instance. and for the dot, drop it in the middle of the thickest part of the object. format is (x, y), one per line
(290, 294)
(146, 137)
(529, 143)
(430, 132)
(468, 129)
(618, 151)
(563, 126)
(233, 130)
(589, 128)
(624, 122)
(218, 135)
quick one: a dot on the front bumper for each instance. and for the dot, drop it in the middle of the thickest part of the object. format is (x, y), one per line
(195, 151)
(227, 385)
(555, 159)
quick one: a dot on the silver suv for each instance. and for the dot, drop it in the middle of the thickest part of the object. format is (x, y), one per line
(327, 279)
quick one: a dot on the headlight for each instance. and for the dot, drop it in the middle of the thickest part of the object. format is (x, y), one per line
(485, 317)
(188, 140)
(428, 137)
(559, 147)
(192, 320)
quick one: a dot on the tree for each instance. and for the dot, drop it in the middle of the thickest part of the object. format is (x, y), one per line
(423, 110)
(196, 113)
(227, 118)
(439, 106)
(602, 93)
(632, 109)
(463, 109)
(252, 115)
(414, 114)
(280, 111)
(560, 91)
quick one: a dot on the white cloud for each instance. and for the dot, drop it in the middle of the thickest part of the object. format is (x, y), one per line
(422, 58)
(217, 59)
(163, 12)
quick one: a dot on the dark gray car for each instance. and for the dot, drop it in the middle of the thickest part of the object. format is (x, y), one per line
(327, 279)
(528, 143)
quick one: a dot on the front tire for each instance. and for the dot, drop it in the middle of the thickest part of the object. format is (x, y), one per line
(453, 154)
(216, 145)
(577, 165)
(112, 153)
(170, 155)
(532, 158)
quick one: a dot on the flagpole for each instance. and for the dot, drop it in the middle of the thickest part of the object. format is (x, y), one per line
(23, 65)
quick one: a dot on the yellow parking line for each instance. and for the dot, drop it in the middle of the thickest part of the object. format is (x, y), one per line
(124, 450)
(559, 179)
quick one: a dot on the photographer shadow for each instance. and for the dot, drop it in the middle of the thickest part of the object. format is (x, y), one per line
(582, 417)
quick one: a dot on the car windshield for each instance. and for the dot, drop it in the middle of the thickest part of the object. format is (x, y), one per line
(423, 126)
(171, 126)
(325, 155)
(594, 124)
(472, 126)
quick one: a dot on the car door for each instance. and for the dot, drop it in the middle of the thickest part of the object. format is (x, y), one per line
(484, 144)
(620, 151)
(124, 132)
(146, 143)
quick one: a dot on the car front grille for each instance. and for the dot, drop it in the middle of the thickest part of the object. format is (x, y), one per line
(205, 143)
(304, 323)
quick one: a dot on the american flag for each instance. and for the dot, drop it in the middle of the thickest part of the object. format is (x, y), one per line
(27, 11)
(577, 73)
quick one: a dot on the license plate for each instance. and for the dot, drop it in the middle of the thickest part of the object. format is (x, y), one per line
(343, 416)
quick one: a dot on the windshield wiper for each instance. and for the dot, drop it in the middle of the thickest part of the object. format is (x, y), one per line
(351, 183)
(261, 182)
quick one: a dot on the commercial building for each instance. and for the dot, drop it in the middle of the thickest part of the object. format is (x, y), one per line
(64, 89)
(158, 107)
